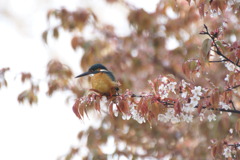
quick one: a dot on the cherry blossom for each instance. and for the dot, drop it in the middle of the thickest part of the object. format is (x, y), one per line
(187, 117)
(197, 91)
(227, 152)
(211, 117)
(189, 107)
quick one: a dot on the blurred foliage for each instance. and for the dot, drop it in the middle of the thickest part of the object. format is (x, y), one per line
(3, 81)
(143, 55)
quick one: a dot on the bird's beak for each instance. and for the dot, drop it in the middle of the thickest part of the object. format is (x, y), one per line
(87, 73)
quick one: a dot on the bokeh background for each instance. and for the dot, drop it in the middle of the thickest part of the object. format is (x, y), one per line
(137, 40)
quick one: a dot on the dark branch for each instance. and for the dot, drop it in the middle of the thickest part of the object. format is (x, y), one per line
(141, 96)
(170, 104)
(221, 110)
(235, 145)
(234, 87)
(232, 104)
(218, 61)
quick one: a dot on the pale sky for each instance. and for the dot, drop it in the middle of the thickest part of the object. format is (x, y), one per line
(47, 130)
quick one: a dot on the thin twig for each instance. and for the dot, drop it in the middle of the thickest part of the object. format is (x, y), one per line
(235, 145)
(216, 46)
(221, 110)
(232, 104)
(218, 109)
(234, 87)
(141, 96)
(217, 61)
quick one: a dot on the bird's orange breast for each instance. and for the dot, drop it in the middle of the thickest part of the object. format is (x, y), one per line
(102, 83)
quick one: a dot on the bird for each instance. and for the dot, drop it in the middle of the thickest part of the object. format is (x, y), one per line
(102, 80)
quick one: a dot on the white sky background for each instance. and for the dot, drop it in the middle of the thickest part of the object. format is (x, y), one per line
(47, 130)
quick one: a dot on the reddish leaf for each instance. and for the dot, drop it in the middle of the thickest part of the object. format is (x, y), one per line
(222, 5)
(97, 103)
(216, 151)
(227, 96)
(85, 111)
(81, 109)
(110, 109)
(150, 116)
(200, 106)
(22, 96)
(75, 109)
(119, 108)
(74, 43)
(55, 32)
(125, 108)
(219, 4)
(201, 6)
(26, 76)
(157, 108)
(32, 98)
(3, 70)
(143, 107)
(44, 36)
(177, 107)
(186, 69)
(237, 126)
(80, 17)
(80, 134)
(237, 53)
(215, 99)
(214, 5)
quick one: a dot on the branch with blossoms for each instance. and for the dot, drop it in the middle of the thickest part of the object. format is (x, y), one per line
(172, 101)
(228, 150)
(168, 101)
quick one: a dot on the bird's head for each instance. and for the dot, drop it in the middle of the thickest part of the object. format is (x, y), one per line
(96, 68)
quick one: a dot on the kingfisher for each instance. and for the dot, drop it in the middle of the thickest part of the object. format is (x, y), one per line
(102, 80)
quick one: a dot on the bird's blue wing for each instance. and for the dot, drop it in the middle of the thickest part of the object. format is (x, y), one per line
(109, 74)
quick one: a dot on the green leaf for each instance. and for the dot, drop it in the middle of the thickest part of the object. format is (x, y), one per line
(206, 47)
(221, 46)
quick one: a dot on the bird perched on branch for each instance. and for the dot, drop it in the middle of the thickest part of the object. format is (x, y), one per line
(102, 80)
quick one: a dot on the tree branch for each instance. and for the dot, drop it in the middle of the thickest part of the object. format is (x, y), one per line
(221, 110)
(234, 87)
(213, 37)
(232, 104)
(204, 107)
(234, 145)
(218, 61)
